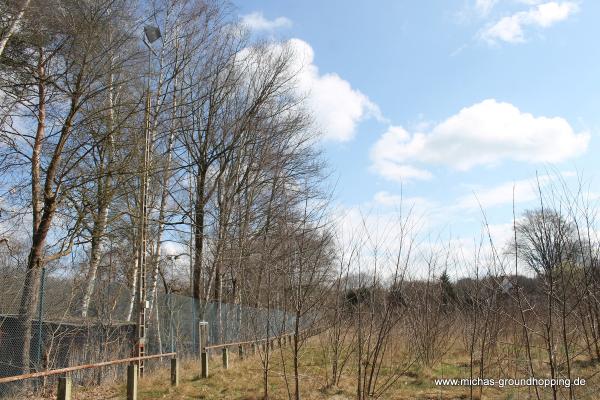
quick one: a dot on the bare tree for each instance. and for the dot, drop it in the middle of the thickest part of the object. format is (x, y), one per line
(63, 74)
(13, 22)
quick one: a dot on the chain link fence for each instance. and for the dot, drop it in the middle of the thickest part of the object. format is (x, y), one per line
(173, 324)
(61, 337)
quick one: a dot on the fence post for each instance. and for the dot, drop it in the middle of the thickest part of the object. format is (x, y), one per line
(64, 388)
(253, 346)
(132, 377)
(202, 335)
(174, 372)
(225, 358)
(204, 363)
(241, 351)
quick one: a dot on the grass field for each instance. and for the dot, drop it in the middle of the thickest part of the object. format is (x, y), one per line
(243, 381)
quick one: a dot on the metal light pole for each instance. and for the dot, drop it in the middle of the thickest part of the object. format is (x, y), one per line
(151, 34)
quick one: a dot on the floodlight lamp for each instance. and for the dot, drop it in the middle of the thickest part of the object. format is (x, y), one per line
(152, 33)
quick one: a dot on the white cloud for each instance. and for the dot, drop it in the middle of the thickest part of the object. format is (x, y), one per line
(511, 28)
(501, 234)
(387, 199)
(485, 133)
(485, 6)
(530, 2)
(425, 212)
(335, 105)
(523, 190)
(378, 234)
(256, 21)
(416, 205)
(386, 155)
(376, 237)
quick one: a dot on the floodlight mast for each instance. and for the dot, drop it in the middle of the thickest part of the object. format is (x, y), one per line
(151, 34)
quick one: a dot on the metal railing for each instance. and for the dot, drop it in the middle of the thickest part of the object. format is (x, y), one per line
(64, 388)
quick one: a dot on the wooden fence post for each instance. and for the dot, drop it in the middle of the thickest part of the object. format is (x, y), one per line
(225, 358)
(253, 347)
(132, 381)
(202, 335)
(64, 388)
(204, 362)
(241, 351)
(174, 372)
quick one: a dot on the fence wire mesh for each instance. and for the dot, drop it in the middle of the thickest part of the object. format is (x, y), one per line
(60, 336)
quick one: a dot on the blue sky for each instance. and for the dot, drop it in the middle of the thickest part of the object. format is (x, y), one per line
(442, 99)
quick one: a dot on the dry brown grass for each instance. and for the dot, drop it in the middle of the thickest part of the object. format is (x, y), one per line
(243, 381)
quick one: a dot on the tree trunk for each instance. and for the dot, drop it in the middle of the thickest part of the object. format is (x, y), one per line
(104, 197)
(133, 288)
(14, 25)
(197, 288)
(31, 286)
(296, 358)
(30, 293)
(29, 301)
(161, 224)
(95, 252)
